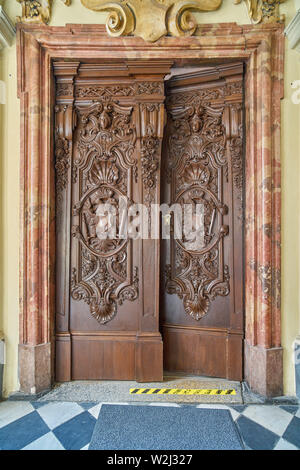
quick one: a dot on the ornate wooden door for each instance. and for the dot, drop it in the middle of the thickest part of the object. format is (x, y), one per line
(108, 134)
(202, 272)
(109, 126)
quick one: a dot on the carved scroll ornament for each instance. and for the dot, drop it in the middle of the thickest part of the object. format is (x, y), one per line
(37, 11)
(263, 11)
(151, 19)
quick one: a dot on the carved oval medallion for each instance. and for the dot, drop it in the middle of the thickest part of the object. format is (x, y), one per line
(99, 215)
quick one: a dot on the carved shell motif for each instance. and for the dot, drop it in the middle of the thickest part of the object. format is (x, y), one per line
(104, 171)
(197, 307)
(194, 173)
(103, 311)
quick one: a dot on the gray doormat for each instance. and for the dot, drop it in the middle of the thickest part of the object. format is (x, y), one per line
(130, 427)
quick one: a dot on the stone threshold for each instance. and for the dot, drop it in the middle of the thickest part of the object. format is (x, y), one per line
(118, 392)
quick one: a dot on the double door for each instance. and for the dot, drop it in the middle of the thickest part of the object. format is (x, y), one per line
(149, 220)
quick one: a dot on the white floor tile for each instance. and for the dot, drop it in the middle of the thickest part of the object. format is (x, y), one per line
(56, 413)
(214, 406)
(282, 444)
(271, 417)
(220, 406)
(12, 410)
(85, 447)
(235, 414)
(95, 410)
(115, 403)
(46, 442)
(164, 404)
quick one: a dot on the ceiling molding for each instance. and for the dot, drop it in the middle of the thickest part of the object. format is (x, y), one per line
(292, 32)
(7, 29)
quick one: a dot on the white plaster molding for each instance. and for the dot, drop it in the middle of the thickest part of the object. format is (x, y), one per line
(297, 4)
(2, 351)
(292, 32)
(7, 29)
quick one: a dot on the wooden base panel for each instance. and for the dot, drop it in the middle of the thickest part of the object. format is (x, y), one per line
(98, 358)
(213, 353)
(149, 359)
(63, 358)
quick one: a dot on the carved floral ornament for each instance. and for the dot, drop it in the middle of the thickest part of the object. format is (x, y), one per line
(103, 277)
(196, 164)
(152, 19)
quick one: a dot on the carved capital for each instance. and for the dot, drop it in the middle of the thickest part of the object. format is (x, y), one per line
(151, 19)
(37, 11)
(263, 11)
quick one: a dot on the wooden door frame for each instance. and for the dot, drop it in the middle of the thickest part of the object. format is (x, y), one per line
(261, 47)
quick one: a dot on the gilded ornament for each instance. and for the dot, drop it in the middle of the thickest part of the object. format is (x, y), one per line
(37, 11)
(263, 11)
(151, 19)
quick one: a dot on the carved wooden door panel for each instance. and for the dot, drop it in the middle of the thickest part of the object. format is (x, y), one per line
(202, 271)
(109, 129)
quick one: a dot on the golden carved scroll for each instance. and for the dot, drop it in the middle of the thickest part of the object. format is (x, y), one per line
(151, 19)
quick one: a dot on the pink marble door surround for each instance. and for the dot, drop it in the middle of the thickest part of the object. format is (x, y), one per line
(261, 47)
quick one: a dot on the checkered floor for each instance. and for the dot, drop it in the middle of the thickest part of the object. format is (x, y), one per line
(68, 425)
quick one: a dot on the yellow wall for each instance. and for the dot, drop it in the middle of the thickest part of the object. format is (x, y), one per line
(9, 223)
(9, 184)
(290, 154)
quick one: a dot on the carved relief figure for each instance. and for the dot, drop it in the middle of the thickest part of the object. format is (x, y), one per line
(100, 221)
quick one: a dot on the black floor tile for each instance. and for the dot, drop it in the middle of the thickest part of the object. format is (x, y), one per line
(255, 436)
(292, 432)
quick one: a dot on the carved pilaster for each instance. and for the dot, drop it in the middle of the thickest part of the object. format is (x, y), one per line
(152, 120)
(149, 97)
(65, 121)
(234, 135)
(151, 124)
(64, 125)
